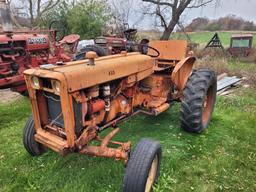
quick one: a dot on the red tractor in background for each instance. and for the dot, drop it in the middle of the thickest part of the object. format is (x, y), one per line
(112, 44)
(21, 50)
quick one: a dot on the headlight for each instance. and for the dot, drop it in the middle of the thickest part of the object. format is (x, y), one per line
(35, 82)
(56, 86)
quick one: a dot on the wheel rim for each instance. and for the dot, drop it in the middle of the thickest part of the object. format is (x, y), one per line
(207, 106)
(152, 174)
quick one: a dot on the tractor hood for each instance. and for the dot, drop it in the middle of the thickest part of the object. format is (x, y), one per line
(79, 75)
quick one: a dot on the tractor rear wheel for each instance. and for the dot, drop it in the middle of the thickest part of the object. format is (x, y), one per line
(33, 148)
(143, 167)
(199, 97)
(99, 50)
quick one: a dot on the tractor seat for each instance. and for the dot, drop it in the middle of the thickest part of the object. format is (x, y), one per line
(70, 39)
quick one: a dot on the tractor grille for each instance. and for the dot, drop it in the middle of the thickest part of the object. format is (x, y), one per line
(55, 115)
(54, 109)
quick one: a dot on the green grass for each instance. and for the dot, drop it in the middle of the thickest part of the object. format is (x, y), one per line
(204, 37)
(220, 159)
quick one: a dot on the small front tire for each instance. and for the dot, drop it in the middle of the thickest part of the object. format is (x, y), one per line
(143, 167)
(33, 148)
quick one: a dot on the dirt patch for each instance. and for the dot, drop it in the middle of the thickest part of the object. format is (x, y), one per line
(7, 96)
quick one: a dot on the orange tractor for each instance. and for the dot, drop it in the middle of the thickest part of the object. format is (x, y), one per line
(73, 103)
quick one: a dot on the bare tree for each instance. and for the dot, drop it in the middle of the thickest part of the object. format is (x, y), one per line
(122, 10)
(37, 8)
(125, 12)
(169, 12)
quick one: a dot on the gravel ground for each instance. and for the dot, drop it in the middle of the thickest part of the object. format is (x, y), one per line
(7, 96)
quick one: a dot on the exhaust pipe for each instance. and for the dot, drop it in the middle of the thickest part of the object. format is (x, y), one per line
(6, 16)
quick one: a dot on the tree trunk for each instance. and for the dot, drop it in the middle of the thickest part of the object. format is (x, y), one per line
(168, 30)
(166, 34)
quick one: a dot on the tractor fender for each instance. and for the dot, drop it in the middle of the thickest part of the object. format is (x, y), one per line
(182, 72)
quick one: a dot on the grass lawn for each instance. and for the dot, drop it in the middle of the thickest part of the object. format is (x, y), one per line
(223, 158)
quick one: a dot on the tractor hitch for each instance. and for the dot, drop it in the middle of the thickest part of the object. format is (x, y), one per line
(120, 153)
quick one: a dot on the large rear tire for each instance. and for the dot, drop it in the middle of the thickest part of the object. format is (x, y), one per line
(33, 148)
(99, 50)
(199, 97)
(143, 167)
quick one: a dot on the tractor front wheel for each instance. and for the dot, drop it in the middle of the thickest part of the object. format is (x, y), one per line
(198, 100)
(143, 167)
(33, 148)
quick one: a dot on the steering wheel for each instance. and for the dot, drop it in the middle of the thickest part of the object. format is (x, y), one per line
(146, 47)
(57, 30)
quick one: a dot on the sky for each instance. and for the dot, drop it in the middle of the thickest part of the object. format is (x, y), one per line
(241, 8)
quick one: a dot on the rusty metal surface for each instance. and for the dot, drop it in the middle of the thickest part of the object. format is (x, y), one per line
(208, 105)
(161, 108)
(106, 69)
(51, 141)
(120, 153)
(182, 72)
(242, 36)
(244, 50)
(107, 139)
(159, 84)
(21, 51)
(66, 103)
(88, 134)
(169, 50)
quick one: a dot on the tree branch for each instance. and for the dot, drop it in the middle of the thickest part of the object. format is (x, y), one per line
(158, 13)
(200, 5)
(49, 6)
(158, 2)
